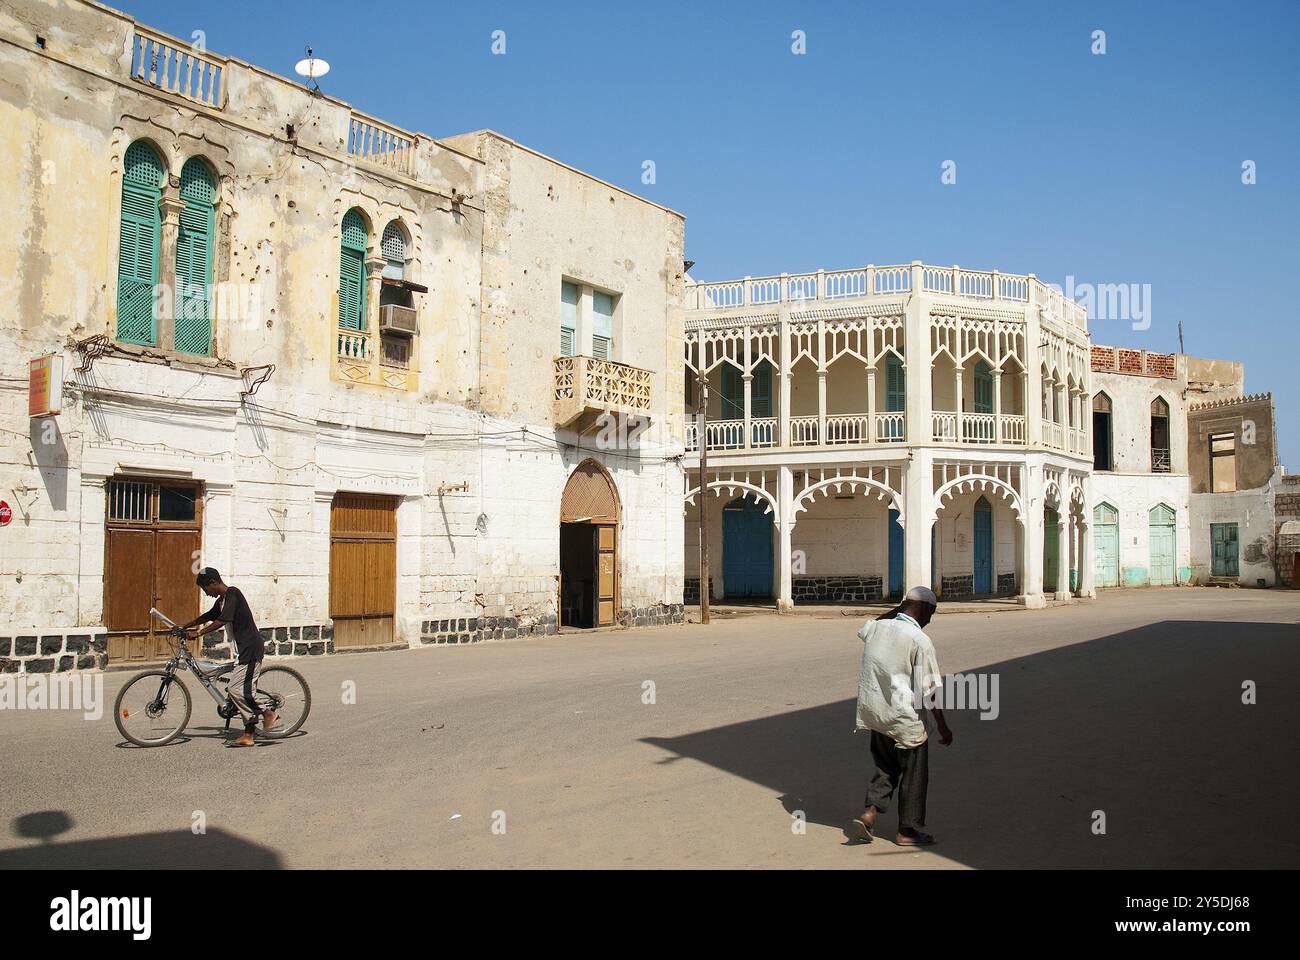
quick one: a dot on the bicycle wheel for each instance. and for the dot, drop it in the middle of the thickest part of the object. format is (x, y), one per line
(284, 690)
(152, 709)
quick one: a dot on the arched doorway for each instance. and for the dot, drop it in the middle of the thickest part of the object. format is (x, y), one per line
(982, 535)
(1051, 551)
(746, 550)
(1163, 541)
(1105, 537)
(589, 520)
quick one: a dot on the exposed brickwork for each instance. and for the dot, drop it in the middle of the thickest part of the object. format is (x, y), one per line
(1130, 361)
(1103, 358)
(1160, 364)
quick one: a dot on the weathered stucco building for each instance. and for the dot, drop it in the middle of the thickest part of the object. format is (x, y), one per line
(330, 357)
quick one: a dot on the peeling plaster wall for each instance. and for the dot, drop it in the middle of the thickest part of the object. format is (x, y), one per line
(1131, 398)
(272, 465)
(1134, 496)
(1252, 511)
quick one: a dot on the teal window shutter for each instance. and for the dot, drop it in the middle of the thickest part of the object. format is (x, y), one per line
(568, 319)
(352, 276)
(983, 388)
(194, 260)
(141, 237)
(733, 394)
(760, 391)
(895, 385)
(602, 328)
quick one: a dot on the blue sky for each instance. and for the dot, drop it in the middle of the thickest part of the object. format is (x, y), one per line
(1122, 168)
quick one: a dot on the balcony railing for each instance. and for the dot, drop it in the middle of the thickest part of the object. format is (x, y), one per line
(177, 68)
(945, 427)
(1160, 461)
(803, 431)
(591, 386)
(377, 142)
(891, 427)
(874, 281)
(354, 345)
(979, 428)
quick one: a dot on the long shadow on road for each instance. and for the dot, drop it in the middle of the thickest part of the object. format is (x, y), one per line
(1147, 726)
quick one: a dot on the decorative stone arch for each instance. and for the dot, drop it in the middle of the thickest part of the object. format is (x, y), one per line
(590, 495)
(731, 485)
(985, 484)
(854, 483)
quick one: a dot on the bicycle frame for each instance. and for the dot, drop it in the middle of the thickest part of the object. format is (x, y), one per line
(184, 658)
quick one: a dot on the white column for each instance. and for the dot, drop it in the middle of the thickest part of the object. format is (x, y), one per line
(821, 381)
(1063, 551)
(784, 529)
(918, 504)
(957, 387)
(1031, 544)
(1086, 585)
(916, 364)
(1033, 370)
(871, 404)
(783, 359)
(748, 377)
(997, 401)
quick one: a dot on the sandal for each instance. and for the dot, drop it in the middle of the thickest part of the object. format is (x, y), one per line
(917, 839)
(859, 831)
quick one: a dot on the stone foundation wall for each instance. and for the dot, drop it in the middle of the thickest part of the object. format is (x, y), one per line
(837, 589)
(963, 587)
(54, 651)
(691, 591)
(658, 615)
(478, 629)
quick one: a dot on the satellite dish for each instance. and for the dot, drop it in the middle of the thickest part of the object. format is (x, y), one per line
(311, 68)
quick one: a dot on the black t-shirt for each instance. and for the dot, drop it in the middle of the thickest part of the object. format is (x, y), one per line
(232, 608)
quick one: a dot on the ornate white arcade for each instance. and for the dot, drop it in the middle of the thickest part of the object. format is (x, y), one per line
(884, 383)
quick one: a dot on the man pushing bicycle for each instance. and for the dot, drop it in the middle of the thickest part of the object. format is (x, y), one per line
(231, 610)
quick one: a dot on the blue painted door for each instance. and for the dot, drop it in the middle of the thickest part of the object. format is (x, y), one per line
(746, 550)
(983, 546)
(895, 555)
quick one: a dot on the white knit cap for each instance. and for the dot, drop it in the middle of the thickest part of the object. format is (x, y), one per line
(923, 595)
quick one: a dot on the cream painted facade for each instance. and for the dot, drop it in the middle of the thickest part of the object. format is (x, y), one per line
(466, 424)
(895, 426)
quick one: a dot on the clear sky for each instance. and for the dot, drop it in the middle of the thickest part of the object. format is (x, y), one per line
(1121, 168)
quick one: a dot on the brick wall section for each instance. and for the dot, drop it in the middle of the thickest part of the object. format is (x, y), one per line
(1160, 365)
(1130, 361)
(1103, 358)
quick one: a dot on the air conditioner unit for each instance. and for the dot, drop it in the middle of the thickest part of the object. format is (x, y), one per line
(394, 318)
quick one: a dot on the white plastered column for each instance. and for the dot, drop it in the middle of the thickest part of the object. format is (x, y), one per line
(784, 530)
(918, 517)
(1031, 544)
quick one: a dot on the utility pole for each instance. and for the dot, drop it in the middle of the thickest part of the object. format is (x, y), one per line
(702, 442)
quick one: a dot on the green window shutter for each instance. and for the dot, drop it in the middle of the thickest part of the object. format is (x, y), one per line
(194, 260)
(568, 319)
(760, 391)
(140, 239)
(895, 385)
(602, 326)
(733, 394)
(352, 276)
(983, 388)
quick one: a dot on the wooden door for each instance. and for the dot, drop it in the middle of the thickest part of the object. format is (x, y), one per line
(363, 569)
(1223, 538)
(152, 542)
(1163, 543)
(606, 574)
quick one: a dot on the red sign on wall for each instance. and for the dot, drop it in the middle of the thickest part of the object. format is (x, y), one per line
(5, 514)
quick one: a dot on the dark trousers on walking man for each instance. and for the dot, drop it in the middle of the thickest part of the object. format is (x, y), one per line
(902, 770)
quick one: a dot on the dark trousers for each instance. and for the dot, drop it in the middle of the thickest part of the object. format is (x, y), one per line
(902, 769)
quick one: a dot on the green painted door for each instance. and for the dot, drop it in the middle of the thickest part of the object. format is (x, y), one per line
(1162, 541)
(1223, 537)
(1105, 526)
(1051, 551)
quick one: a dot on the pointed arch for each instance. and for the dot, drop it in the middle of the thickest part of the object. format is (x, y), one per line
(353, 246)
(590, 495)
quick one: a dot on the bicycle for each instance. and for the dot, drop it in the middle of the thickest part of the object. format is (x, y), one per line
(156, 709)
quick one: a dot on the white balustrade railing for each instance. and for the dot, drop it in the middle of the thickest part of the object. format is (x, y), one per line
(354, 345)
(885, 281)
(803, 431)
(178, 68)
(846, 429)
(979, 428)
(944, 427)
(692, 434)
(1013, 429)
(377, 142)
(1054, 436)
(891, 427)
(762, 432)
(726, 434)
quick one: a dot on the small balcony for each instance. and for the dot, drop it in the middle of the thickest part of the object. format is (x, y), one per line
(978, 428)
(587, 387)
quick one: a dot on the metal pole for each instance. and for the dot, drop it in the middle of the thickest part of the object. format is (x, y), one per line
(702, 441)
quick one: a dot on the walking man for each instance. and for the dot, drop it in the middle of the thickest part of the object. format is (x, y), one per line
(899, 674)
(231, 610)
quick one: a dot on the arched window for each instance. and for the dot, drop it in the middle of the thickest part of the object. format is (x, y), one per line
(352, 267)
(1160, 453)
(393, 246)
(140, 239)
(1101, 437)
(194, 259)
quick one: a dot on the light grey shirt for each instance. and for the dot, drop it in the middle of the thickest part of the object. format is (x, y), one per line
(899, 672)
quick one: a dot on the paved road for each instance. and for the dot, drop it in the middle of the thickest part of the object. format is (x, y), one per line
(1130, 705)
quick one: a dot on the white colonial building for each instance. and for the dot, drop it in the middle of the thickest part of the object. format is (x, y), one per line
(873, 429)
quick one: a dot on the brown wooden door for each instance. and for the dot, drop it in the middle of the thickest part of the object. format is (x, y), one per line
(606, 574)
(363, 569)
(152, 542)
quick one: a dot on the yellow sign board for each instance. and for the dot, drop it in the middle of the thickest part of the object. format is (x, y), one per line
(45, 386)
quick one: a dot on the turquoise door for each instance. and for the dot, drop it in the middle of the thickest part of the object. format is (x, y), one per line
(895, 555)
(1105, 526)
(1223, 537)
(1163, 542)
(1051, 551)
(746, 550)
(983, 546)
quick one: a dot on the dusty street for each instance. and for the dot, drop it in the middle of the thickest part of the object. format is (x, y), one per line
(1130, 705)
